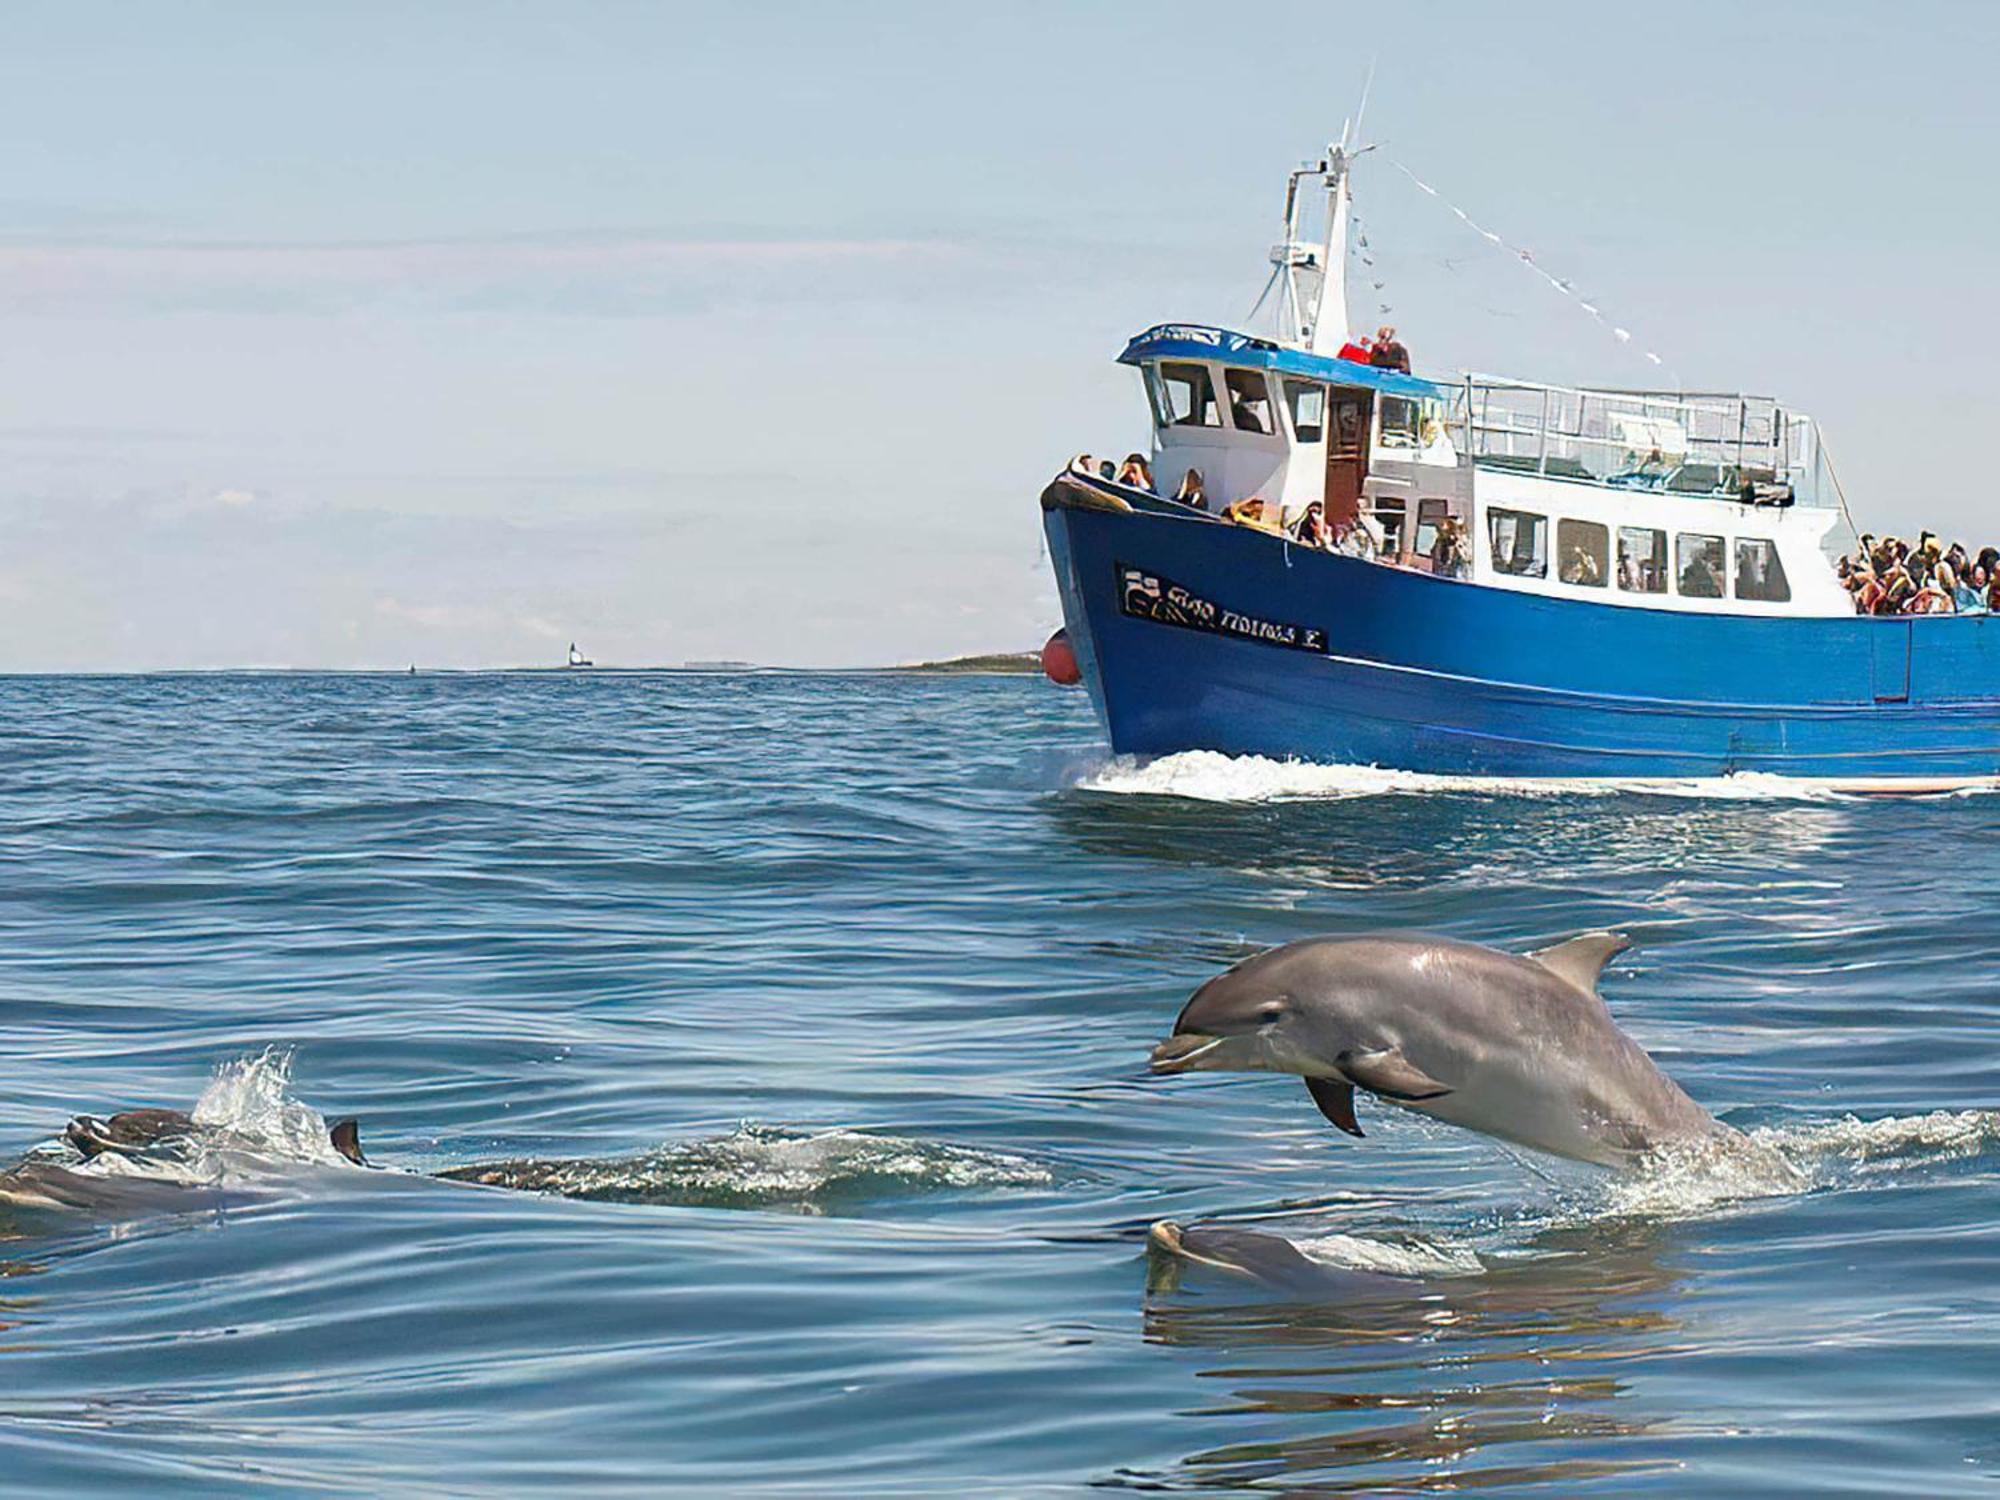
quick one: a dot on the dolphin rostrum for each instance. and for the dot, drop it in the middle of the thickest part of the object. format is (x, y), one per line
(1520, 1048)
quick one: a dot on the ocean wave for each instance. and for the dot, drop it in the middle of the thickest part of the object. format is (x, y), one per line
(1209, 776)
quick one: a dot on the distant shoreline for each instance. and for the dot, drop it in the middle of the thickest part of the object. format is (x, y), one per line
(1010, 663)
(994, 664)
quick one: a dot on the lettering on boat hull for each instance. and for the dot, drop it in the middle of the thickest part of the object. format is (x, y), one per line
(1147, 595)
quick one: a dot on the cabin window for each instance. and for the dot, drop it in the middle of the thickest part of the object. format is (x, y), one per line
(1404, 422)
(1308, 403)
(1249, 401)
(1520, 541)
(1186, 397)
(1642, 560)
(1397, 423)
(1701, 565)
(1760, 572)
(1584, 548)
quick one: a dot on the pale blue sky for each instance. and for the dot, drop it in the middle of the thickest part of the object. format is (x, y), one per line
(366, 334)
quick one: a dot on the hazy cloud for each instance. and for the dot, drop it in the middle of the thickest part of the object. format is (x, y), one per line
(604, 273)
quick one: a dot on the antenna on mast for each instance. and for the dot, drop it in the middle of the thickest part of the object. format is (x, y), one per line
(1361, 113)
(1311, 279)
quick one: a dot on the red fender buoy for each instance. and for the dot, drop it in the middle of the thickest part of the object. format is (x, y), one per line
(1059, 661)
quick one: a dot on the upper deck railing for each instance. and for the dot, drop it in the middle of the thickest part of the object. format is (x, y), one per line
(1694, 443)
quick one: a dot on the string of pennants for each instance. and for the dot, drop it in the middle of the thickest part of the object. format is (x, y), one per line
(1524, 256)
(1364, 254)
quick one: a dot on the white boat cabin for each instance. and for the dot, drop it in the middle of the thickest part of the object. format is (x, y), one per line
(1663, 500)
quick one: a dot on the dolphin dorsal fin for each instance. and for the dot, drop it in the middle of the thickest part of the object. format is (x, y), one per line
(346, 1138)
(1582, 959)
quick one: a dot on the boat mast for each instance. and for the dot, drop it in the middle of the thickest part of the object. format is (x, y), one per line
(1312, 305)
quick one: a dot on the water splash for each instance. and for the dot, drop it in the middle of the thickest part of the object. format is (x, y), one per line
(1692, 1178)
(761, 1166)
(1209, 776)
(250, 1104)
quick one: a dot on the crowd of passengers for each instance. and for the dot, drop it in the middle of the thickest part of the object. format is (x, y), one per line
(1450, 554)
(1890, 577)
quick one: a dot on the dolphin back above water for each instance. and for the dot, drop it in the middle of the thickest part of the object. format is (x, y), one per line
(1522, 1048)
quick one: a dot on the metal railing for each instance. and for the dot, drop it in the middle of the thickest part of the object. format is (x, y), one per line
(1677, 442)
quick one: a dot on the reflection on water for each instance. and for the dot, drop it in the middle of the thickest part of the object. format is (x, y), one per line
(1458, 1382)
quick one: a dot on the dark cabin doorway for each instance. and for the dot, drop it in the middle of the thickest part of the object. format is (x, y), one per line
(1347, 416)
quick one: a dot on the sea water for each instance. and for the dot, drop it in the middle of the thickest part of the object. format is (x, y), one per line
(826, 999)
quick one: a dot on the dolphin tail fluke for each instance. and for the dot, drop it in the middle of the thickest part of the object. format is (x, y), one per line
(1582, 959)
(346, 1137)
(1335, 1098)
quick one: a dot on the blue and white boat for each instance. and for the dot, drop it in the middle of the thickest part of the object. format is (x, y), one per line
(1637, 585)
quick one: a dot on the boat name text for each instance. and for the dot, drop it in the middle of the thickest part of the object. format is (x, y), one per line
(1149, 596)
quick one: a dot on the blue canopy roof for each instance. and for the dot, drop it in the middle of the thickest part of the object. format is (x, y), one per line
(1246, 351)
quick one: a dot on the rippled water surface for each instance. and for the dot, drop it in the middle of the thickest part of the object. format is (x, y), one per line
(827, 998)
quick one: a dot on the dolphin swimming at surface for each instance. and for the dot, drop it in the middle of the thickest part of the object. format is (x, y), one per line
(1267, 1259)
(1522, 1048)
(139, 1130)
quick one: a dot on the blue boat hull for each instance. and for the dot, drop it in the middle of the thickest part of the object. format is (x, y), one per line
(1193, 635)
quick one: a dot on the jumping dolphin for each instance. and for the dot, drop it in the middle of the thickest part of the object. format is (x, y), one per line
(1520, 1048)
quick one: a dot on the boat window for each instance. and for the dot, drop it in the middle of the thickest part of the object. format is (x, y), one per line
(1642, 560)
(1187, 397)
(1397, 423)
(1249, 401)
(1584, 548)
(1699, 562)
(1308, 403)
(1520, 541)
(1760, 572)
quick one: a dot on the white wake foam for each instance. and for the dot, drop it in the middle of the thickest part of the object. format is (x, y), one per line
(1411, 1258)
(1684, 1183)
(1208, 776)
(1942, 1133)
(763, 1166)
